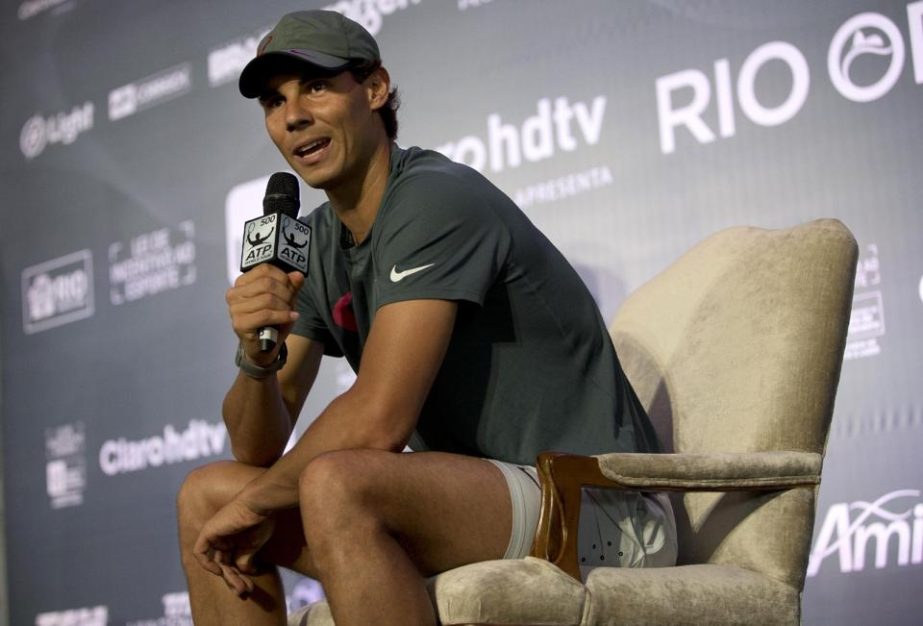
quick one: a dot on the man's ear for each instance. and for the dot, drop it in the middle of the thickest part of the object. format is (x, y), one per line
(377, 86)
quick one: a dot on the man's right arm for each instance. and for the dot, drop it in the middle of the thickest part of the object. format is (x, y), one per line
(260, 413)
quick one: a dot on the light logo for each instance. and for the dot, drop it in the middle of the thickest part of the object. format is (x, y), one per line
(39, 132)
(892, 525)
(57, 292)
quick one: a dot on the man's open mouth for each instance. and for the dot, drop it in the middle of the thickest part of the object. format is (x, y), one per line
(312, 147)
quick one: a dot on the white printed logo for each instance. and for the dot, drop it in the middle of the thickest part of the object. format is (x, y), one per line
(57, 292)
(397, 276)
(147, 92)
(862, 35)
(369, 13)
(244, 202)
(91, 616)
(563, 187)
(199, 440)
(152, 263)
(65, 471)
(227, 62)
(867, 319)
(176, 612)
(850, 36)
(849, 529)
(31, 8)
(536, 139)
(39, 132)
(471, 4)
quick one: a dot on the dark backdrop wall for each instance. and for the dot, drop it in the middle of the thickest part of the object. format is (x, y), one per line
(626, 130)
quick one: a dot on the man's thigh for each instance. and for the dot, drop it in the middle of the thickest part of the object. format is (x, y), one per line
(445, 510)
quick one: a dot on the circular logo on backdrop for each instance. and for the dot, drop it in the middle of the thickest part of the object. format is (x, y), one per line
(861, 35)
(33, 138)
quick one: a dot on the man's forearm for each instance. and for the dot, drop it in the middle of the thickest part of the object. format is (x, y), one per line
(347, 423)
(257, 419)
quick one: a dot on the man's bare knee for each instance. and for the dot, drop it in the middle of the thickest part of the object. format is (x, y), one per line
(206, 489)
(337, 485)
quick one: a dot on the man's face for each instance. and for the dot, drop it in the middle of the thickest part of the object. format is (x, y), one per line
(326, 127)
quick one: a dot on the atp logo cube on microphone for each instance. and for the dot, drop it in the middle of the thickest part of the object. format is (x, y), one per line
(277, 237)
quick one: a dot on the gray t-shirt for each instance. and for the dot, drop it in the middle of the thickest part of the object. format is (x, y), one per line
(530, 366)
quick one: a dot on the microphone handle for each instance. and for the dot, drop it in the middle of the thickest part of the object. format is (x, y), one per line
(269, 337)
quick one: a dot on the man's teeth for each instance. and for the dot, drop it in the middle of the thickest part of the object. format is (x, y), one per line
(314, 145)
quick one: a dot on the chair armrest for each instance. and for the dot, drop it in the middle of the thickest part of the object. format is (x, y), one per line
(724, 471)
(562, 477)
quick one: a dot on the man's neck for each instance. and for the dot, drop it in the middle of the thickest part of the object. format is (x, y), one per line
(356, 205)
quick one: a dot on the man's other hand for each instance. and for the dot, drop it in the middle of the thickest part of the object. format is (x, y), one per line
(229, 541)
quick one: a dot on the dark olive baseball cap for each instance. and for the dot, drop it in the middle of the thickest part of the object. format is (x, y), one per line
(324, 39)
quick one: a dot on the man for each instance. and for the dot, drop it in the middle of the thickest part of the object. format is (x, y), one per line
(472, 338)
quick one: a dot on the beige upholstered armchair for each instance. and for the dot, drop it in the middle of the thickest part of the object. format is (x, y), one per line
(735, 350)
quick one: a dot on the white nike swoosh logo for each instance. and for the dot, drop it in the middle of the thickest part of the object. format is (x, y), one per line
(396, 275)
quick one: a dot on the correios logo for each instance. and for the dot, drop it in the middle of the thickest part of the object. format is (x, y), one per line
(890, 529)
(864, 35)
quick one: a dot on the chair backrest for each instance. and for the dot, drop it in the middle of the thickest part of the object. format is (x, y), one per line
(737, 347)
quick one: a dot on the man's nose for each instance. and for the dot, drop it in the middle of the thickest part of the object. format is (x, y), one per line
(297, 115)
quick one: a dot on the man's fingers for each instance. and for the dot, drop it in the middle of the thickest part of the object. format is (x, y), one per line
(204, 554)
(297, 280)
(246, 564)
(241, 584)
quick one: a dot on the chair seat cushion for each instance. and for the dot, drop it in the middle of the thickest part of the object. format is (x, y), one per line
(688, 594)
(514, 592)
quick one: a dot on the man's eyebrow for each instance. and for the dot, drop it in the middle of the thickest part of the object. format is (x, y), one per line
(266, 93)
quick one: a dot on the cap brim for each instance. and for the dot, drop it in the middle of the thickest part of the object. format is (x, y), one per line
(262, 68)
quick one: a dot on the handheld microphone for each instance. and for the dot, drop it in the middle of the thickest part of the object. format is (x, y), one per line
(277, 238)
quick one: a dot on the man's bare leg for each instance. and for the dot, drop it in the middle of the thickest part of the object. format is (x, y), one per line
(378, 522)
(206, 490)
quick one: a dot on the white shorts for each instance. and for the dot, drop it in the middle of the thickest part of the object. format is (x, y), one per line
(616, 529)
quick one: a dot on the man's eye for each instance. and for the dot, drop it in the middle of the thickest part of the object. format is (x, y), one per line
(270, 102)
(317, 86)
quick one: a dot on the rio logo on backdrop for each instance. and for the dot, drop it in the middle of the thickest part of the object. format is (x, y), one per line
(862, 35)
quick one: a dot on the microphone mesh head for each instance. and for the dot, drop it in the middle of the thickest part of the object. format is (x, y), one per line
(282, 195)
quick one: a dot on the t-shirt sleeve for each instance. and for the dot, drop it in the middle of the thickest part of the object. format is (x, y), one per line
(311, 323)
(439, 240)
